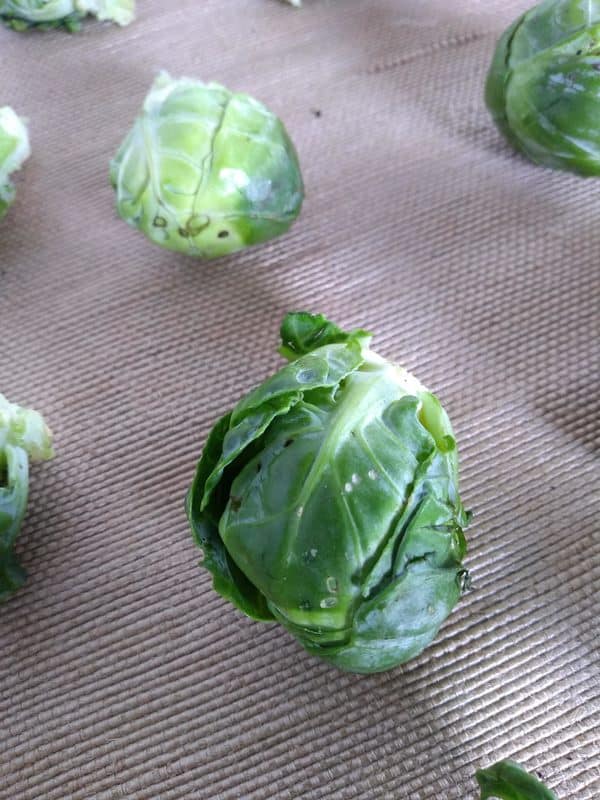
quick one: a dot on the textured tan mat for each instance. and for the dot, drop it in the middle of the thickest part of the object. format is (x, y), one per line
(122, 674)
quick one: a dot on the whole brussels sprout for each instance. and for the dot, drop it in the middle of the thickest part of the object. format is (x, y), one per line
(509, 781)
(14, 150)
(543, 86)
(23, 436)
(23, 14)
(327, 500)
(206, 172)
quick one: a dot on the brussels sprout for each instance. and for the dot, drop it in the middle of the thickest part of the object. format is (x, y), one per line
(23, 436)
(23, 14)
(327, 500)
(206, 172)
(14, 150)
(543, 86)
(509, 781)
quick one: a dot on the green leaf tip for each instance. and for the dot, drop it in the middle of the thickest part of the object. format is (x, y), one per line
(302, 332)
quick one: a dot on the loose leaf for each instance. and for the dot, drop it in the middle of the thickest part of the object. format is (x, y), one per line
(507, 780)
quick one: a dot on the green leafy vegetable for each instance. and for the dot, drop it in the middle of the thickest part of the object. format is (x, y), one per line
(23, 14)
(14, 150)
(23, 437)
(509, 781)
(206, 172)
(327, 500)
(543, 86)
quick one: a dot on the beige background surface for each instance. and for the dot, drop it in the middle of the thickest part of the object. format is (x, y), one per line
(122, 674)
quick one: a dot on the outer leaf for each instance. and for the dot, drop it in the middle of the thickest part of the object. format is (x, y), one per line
(321, 369)
(228, 580)
(497, 79)
(507, 780)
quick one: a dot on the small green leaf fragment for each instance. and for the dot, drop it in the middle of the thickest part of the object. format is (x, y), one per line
(507, 780)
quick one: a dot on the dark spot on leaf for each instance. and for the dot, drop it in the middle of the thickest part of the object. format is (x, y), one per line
(184, 233)
(258, 466)
(236, 503)
(288, 442)
(159, 222)
(196, 224)
(579, 52)
(223, 234)
(465, 580)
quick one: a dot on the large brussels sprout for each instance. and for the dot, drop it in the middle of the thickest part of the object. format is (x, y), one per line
(14, 150)
(327, 500)
(543, 86)
(23, 14)
(205, 171)
(23, 437)
(507, 780)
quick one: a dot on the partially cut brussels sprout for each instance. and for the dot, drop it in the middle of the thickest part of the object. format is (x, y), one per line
(23, 14)
(543, 86)
(507, 780)
(14, 150)
(327, 500)
(205, 171)
(24, 436)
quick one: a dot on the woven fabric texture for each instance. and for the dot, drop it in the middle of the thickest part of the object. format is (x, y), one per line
(122, 673)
